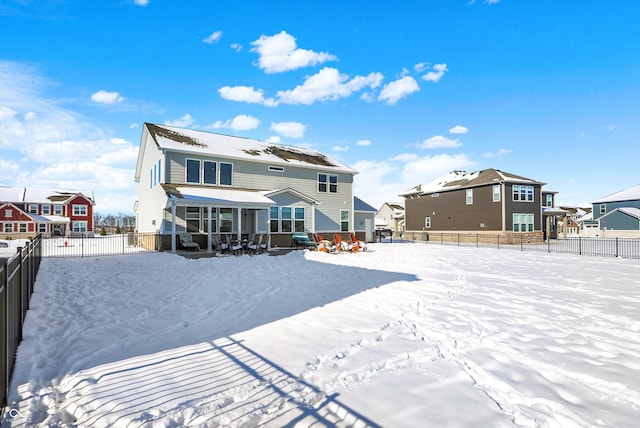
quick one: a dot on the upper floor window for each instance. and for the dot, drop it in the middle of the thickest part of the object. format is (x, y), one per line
(522, 193)
(8, 213)
(496, 193)
(46, 209)
(226, 174)
(327, 182)
(80, 210)
(603, 208)
(193, 171)
(549, 200)
(469, 196)
(57, 209)
(210, 173)
(33, 209)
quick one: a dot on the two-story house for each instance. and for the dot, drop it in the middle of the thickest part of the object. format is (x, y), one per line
(617, 215)
(390, 216)
(27, 211)
(212, 184)
(482, 202)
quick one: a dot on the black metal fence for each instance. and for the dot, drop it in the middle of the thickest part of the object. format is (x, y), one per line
(17, 276)
(588, 246)
(87, 245)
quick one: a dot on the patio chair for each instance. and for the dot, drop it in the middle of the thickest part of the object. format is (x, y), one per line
(186, 242)
(302, 240)
(342, 245)
(223, 247)
(362, 246)
(322, 244)
(235, 248)
(256, 246)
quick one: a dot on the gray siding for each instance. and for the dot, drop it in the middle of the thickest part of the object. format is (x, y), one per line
(610, 206)
(619, 221)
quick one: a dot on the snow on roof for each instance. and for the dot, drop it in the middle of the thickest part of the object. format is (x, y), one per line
(39, 195)
(633, 212)
(209, 143)
(630, 194)
(461, 179)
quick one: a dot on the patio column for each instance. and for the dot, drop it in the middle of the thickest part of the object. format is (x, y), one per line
(209, 236)
(239, 237)
(173, 226)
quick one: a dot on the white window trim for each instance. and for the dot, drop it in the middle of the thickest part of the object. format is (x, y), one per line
(46, 209)
(427, 222)
(186, 171)
(79, 210)
(219, 172)
(469, 196)
(56, 208)
(77, 223)
(497, 196)
(348, 221)
(216, 175)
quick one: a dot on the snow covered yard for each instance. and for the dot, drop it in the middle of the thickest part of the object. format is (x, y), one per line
(402, 336)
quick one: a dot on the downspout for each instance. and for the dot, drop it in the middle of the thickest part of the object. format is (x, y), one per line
(239, 233)
(209, 236)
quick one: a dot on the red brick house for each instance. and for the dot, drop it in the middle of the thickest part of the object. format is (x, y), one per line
(25, 212)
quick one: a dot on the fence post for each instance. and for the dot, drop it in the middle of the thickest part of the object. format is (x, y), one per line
(580, 245)
(521, 246)
(498, 239)
(616, 247)
(477, 240)
(548, 244)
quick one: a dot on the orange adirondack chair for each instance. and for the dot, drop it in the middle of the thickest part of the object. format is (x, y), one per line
(342, 245)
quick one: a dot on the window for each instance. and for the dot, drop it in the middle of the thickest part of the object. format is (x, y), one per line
(523, 222)
(603, 208)
(496, 193)
(226, 174)
(150, 179)
(205, 220)
(8, 228)
(46, 209)
(327, 182)
(8, 213)
(159, 175)
(298, 219)
(276, 168)
(42, 227)
(226, 220)
(522, 193)
(549, 200)
(286, 219)
(193, 219)
(274, 217)
(333, 184)
(80, 226)
(23, 227)
(322, 182)
(469, 196)
(427, 222)
(57, 209)
(80, 210)
(210, 172)
(33, 209)
(344, 220)
(193, 171)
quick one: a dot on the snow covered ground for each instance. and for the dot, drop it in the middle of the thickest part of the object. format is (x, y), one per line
(405, 335)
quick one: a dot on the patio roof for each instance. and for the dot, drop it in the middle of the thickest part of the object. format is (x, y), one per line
(216, 197)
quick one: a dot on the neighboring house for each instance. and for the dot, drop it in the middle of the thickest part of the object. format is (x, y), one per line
(487, 201)
(27, 211)
(390, 216)
(207, 184)
(364, 218)
(569, 225)
(617, 215)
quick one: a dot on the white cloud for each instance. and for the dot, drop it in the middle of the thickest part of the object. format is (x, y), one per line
(280, 53)
(496, 154)
(327, 84)
(242, 122)
(246, 94)
(181, 122)
(141, 2)
(289, 129)
(439, 142)
(104, 97)
(213, 37)
(459, 129)
(363, 143)
(340, 148)
(396, 90)
(274, 139)
(236, 47)
(134, 125)
(435, 76)
(420, 67)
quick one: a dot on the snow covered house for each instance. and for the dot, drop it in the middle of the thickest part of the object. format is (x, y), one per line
(390, 216)
(482, 202)
(617, 215)
(27, 211)
(209, 184)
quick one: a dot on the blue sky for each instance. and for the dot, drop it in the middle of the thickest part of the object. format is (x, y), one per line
(403, 92)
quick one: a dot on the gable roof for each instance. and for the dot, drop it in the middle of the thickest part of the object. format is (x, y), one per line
(463, 179)
(630, 194)
(230, 147)
(633, 212)
(360, 205)
(36, 195)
